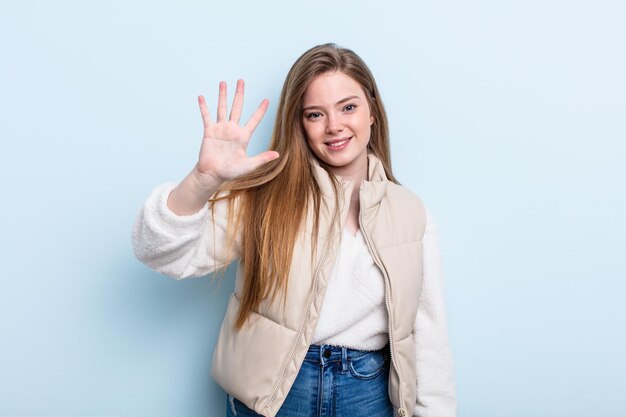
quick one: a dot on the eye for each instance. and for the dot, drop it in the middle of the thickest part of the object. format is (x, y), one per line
(313, 115)
(350, 107)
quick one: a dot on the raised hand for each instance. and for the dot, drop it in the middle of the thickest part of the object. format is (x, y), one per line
(223, 152)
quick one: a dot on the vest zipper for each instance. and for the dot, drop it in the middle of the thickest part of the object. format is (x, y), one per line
(312, 297)
(401, 411)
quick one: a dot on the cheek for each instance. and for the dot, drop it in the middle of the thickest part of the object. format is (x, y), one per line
(366, 122)
(365, 129)
(309, 136)
(312, 134)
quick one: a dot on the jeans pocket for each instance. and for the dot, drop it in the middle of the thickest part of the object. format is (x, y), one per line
(235, 408)
(368, 366)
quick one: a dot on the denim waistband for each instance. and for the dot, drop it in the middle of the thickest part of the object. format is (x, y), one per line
(328, 353)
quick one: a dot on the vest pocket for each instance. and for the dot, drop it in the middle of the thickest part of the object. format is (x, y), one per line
(248, 363)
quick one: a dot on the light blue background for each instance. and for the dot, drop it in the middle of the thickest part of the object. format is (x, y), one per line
(507, 117)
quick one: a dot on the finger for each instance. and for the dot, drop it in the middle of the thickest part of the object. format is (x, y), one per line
(221, 103)
(262, 158)
(256, 117)
(235, 111)
(206, 116)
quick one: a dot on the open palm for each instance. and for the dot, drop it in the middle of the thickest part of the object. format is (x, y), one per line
(223, 152)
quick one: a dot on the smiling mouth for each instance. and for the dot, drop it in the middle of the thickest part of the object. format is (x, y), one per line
(338, 142)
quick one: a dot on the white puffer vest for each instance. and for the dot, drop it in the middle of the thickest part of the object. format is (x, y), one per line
(259, 363)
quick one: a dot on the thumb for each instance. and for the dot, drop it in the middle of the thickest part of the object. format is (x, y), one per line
(262, 158)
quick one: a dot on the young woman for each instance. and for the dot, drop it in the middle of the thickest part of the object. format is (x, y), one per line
(338, 307)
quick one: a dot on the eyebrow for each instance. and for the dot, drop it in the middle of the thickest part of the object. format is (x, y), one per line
(343, 100)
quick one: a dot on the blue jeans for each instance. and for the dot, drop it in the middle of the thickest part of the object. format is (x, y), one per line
(334, 382)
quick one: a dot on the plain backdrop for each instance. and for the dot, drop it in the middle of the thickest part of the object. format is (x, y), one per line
(507, 118)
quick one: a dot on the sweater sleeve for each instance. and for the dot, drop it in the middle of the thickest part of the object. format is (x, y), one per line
(436, 388)
(180, 246)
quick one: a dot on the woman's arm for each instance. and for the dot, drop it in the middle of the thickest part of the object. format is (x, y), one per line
(436, 388)
(174, 233)
(181, 246)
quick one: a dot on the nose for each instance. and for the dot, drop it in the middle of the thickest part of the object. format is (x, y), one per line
(333, 124)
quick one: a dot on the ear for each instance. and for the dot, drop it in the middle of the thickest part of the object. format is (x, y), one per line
(371, 120)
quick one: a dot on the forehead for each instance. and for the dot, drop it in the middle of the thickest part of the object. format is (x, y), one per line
(330, 87)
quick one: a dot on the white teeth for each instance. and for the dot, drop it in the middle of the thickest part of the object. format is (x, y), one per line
(337, 144)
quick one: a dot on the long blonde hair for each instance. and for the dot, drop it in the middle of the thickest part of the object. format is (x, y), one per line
(272, 201)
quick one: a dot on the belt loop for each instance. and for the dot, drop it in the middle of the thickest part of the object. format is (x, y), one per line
(321, 354)
(344, 359)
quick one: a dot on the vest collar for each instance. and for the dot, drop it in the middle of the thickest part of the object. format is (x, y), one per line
(372, 190)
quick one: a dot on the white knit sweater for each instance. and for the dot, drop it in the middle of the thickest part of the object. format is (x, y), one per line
(353, 313)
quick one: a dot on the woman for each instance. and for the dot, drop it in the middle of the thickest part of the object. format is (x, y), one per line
(337, 308)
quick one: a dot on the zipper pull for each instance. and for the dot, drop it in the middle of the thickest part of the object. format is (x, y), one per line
(401, 412)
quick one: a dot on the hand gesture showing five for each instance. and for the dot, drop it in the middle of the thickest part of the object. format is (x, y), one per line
(223, 152)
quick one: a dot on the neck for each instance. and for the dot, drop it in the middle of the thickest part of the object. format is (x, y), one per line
(357, 173)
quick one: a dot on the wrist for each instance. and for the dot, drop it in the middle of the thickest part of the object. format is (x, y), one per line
(192, 193)
(204, 183)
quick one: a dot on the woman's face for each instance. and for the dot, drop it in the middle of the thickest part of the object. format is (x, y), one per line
(337, 122)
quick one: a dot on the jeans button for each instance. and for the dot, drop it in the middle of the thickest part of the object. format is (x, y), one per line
(327, 353)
